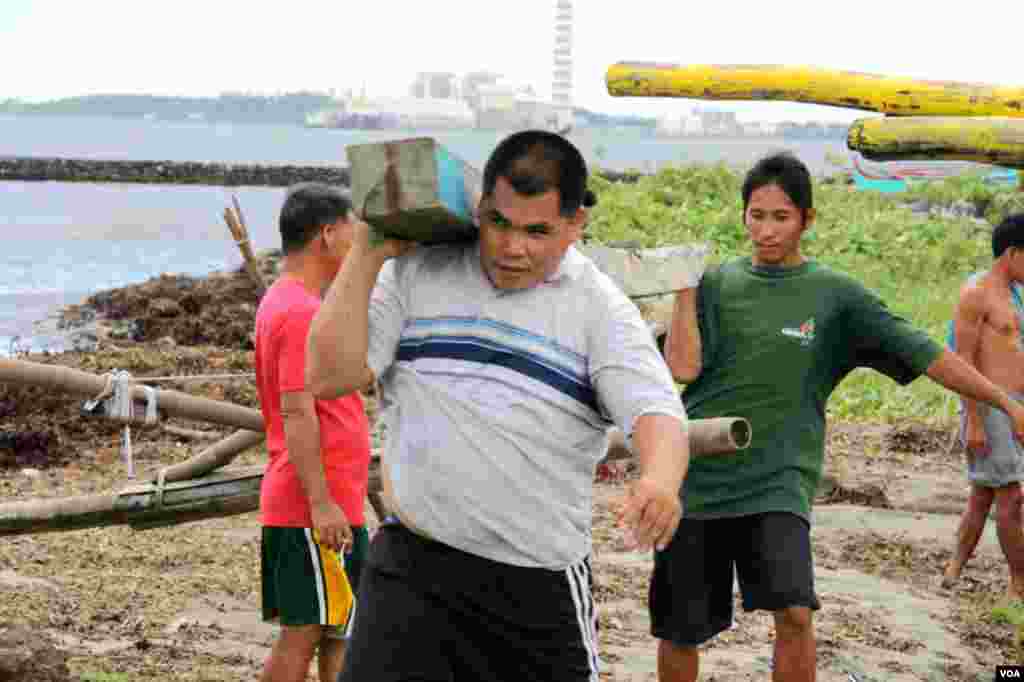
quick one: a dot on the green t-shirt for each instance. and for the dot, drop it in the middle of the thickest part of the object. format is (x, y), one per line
(776, 343)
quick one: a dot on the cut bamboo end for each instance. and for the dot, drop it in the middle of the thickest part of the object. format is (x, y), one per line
(236, 224)
(707, 437)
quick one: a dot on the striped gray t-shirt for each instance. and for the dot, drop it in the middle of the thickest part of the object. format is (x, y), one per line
(497, 403)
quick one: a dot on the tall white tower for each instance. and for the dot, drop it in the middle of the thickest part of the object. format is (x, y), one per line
(561, 75)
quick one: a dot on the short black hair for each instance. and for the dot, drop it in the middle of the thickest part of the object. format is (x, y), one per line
(536, 161)
(307, 208)
(1008, 234)
(788, 172)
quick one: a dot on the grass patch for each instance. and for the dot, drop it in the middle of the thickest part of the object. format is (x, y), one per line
(1012, 614)
(915, 263)
(105, 677)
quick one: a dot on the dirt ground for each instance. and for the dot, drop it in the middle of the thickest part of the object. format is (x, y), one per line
(182, 602)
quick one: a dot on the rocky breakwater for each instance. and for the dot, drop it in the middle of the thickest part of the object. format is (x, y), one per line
(191, 172)
(168, 172)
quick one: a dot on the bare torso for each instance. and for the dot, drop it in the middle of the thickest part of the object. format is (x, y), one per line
(1000, 354)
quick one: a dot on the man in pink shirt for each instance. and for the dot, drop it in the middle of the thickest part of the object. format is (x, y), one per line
(311, 502)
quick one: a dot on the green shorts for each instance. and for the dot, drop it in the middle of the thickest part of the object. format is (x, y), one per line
(306, 583)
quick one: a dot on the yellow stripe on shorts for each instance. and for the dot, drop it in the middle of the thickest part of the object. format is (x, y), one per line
(337, 591)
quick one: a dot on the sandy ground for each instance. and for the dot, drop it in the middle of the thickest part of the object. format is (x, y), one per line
(182, 602)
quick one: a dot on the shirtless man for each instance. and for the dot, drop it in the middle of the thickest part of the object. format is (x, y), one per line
(988, 334)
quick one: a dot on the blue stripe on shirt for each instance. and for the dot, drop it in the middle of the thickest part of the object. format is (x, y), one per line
(511, 332)
(490, 352)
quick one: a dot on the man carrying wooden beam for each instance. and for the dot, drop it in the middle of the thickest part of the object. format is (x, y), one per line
(311, 499)
(502, 363)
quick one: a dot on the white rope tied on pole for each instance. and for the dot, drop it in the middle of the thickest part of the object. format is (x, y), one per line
(161, 478)
(122, 407)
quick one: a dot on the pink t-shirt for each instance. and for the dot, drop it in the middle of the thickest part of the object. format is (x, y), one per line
(282, 323)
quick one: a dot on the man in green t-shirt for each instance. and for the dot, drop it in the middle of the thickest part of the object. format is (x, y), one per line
(768, 338)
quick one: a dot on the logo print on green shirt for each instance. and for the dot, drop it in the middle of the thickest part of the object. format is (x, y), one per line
(805, 333)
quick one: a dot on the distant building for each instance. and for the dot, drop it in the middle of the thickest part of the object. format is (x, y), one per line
(473, 81)
(679, 125)
(389, 113)
(425, 112)
(435, 85)
(497, 97)
(561, 73)
(719, 123)
(504, 106)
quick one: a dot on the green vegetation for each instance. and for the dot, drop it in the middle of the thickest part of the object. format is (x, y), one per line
(105, 677)
(915, 263)
(1012, 614)
(993, 201)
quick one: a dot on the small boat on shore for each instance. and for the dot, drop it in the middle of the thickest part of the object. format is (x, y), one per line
(897, 177)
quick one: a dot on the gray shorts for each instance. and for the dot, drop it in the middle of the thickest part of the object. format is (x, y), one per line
(1004, 463)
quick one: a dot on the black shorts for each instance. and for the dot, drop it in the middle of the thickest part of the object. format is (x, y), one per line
(691, 596)
(432, 613)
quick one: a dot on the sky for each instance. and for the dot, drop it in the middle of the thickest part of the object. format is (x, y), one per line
(59, 48)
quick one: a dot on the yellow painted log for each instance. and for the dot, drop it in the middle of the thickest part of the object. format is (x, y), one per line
(869, 92)
(994, 140)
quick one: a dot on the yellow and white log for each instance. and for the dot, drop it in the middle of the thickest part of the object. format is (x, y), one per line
(985, 139)
(896, 96)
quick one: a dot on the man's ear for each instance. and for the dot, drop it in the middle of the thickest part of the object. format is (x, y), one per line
(338, 231)
(578, 223)
(329, 232)
(809, 216)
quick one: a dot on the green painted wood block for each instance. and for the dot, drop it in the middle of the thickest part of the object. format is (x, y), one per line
(414, 189)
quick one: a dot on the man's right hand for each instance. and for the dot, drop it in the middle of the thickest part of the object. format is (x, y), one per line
(330, 526)
(372, 242)
(977, 441)
(1016, 413)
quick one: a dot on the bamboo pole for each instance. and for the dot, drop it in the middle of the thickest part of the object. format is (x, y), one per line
(171, 402)
(222, 493)
(992, 140)
(59, 514)
(191, 434)
(240, 231)
(896, 96)
(227, 492)
(718, 436)
(213, 457)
